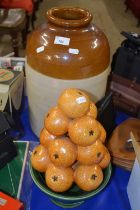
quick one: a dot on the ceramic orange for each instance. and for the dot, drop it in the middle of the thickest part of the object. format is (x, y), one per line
(62, 152)
(106, 160)
(84, 131)
(74, 102)
(46, 137)
(92, 154)
(40, 158)
(92, 110)
(59, 179)
(88, 177)
(102, 136)
(56, 122)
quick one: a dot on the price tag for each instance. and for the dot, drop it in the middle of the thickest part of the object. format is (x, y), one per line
(40, 49)
(61, 40)
(129, 140)
(81, 100)
(73, 51)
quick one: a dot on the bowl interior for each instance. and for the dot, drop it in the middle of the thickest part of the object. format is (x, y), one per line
(74, 193)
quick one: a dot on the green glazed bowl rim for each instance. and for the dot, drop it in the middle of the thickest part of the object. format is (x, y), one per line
(71, 198)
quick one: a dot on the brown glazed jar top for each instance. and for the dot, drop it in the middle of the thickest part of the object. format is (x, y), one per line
(69, 17)
(68, 46)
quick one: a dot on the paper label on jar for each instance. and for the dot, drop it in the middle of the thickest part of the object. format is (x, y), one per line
(40, 49)
(61, 40)
(129, 140)
(81, 100)
(73, 51)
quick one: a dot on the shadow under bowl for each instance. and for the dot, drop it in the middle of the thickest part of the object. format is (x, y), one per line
(74, 196)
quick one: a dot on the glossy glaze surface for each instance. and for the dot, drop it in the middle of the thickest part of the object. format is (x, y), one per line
(92, 154)
(40, 158)
(106, 160)
(46, 137)
(88, 177)
(92, 110)
(56, 60)
(102, 136)
(56, 122)
(83, 131)
(62, 152)
(74, 102)
(59, 179)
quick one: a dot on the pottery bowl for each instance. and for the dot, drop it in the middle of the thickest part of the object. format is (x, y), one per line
(74, 196)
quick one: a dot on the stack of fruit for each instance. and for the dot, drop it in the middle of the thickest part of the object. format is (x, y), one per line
(72, 144)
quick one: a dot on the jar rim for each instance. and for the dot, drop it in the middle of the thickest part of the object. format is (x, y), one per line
(69, 16)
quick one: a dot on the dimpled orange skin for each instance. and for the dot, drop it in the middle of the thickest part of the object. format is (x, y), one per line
(102, 136)
(92, 154)
(106, 160)
(83, 131)
(56, 122)
(62, 152)
(46, 137)
(59, 179)
(92, 110)
(40, 158)
(88, 177)
(74, 103)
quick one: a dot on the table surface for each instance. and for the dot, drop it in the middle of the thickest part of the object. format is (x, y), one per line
(114, 196)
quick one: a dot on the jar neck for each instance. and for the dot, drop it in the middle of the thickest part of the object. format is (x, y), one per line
(69, 17)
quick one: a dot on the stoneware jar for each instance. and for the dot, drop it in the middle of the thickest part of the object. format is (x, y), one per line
(66, 51)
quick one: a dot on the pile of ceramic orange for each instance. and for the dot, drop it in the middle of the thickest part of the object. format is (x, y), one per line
(72, 146)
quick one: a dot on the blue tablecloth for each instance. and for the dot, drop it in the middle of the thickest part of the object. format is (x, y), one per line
(113, 197)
